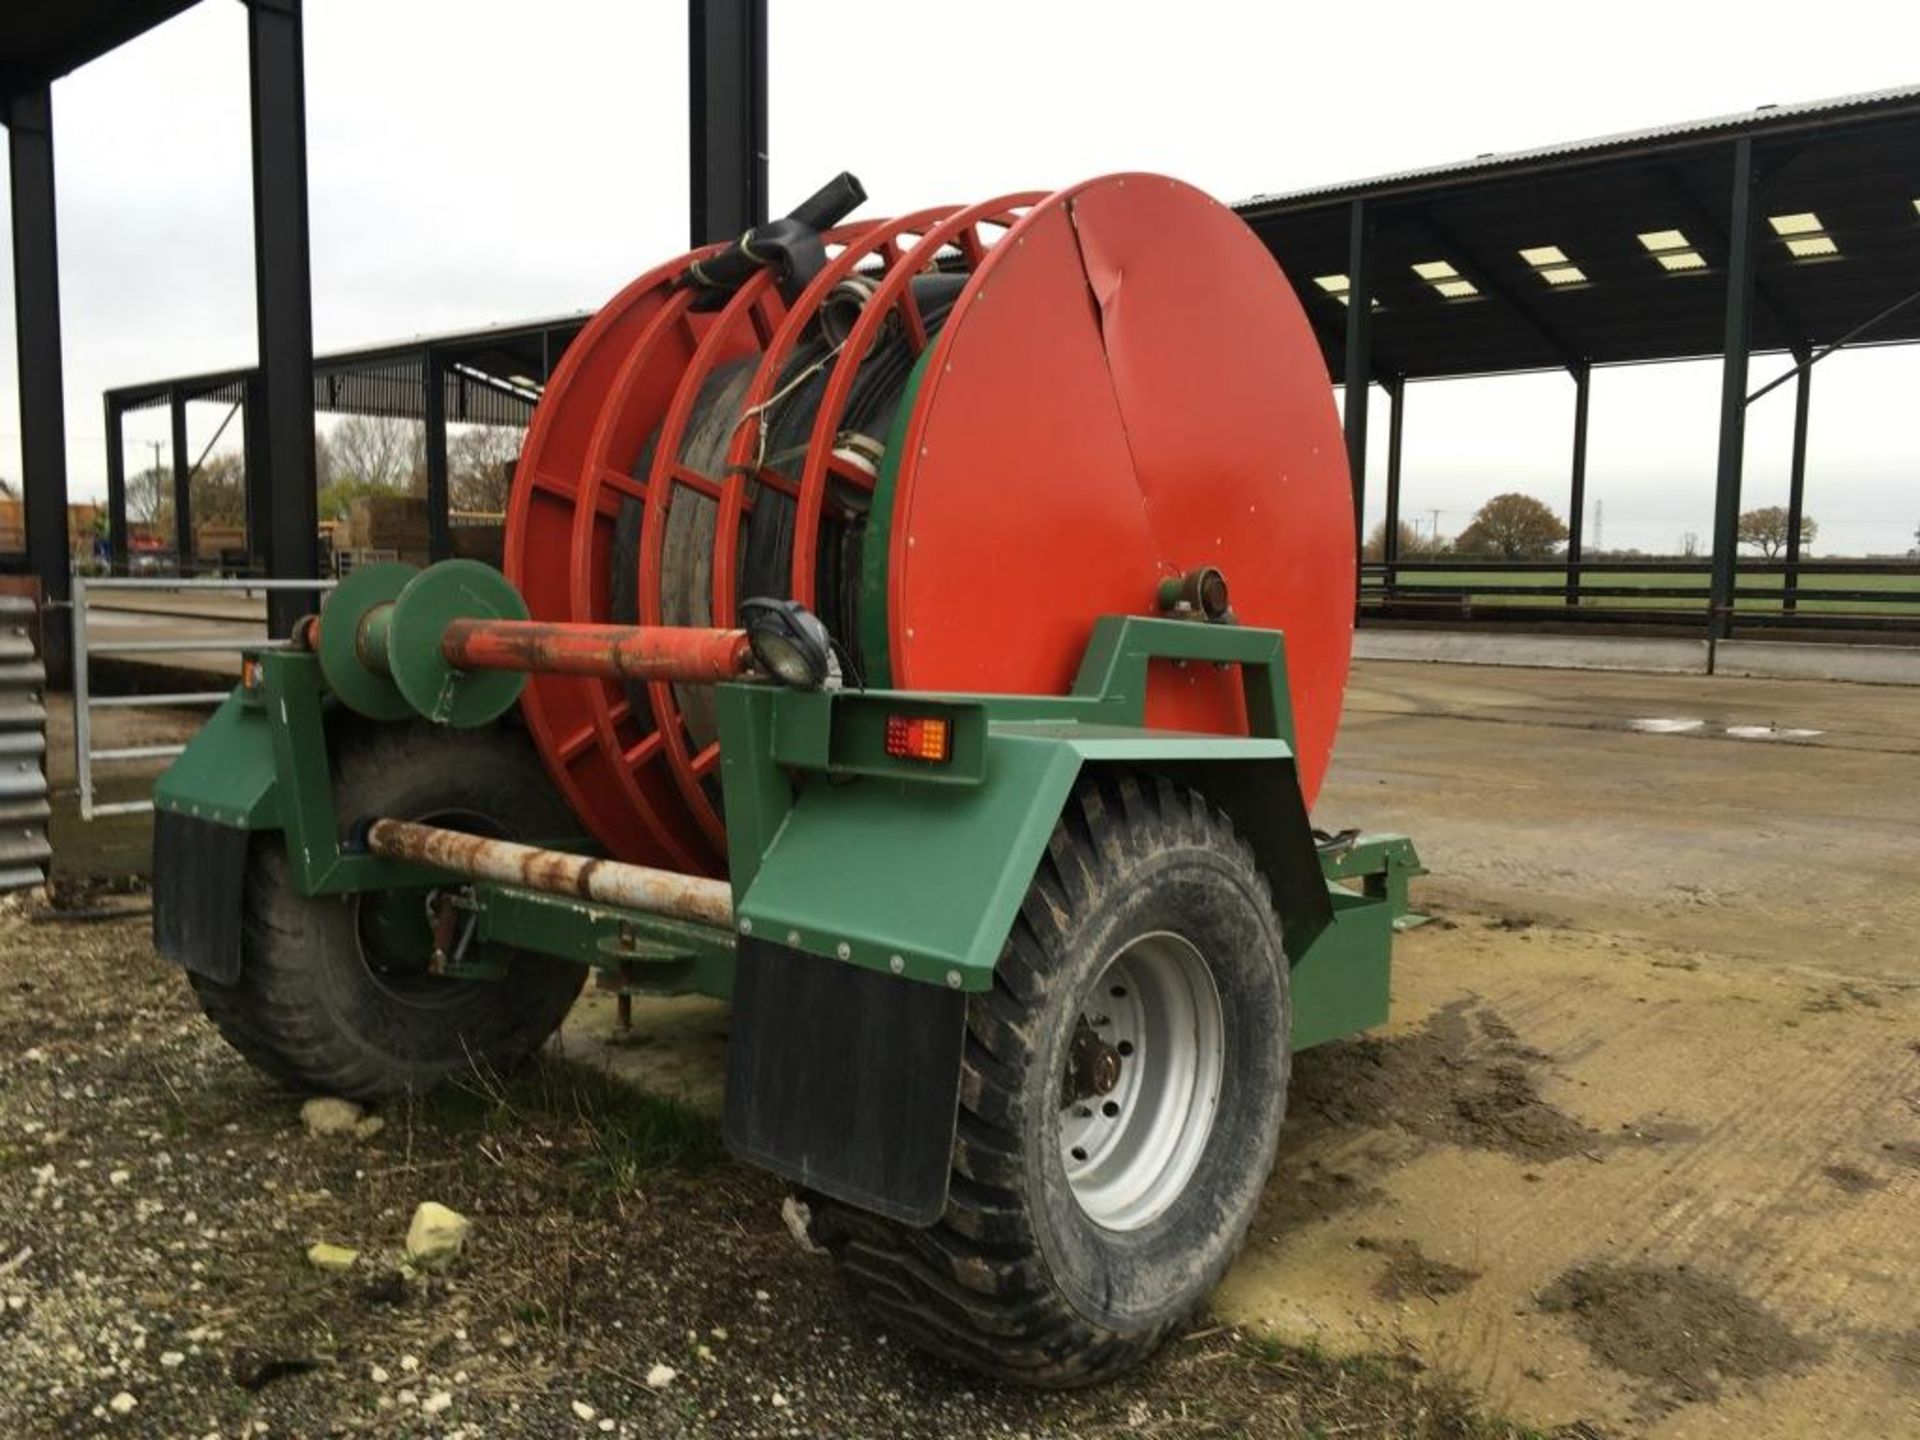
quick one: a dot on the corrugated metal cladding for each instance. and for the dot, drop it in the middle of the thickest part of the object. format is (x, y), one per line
(400, 389)
(394, 388)
(25, 850)
(1775, 116)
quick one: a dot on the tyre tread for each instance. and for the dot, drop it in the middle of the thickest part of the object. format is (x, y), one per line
(270, 1014)
(974, 1288)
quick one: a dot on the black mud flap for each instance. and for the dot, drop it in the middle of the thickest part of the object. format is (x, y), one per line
(199, 891)
(844, 1080)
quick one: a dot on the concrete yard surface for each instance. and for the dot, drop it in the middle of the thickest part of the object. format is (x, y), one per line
(1640, 1147)
(1662, 1052)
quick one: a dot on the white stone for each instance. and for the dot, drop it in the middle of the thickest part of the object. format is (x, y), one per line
(122, 1403)
(436, 1234)
(330, 1115)
(661, 1376)
(323, 1256)
(171, 1359)
(799, 1225)
(436, 1402)
(583, 1410)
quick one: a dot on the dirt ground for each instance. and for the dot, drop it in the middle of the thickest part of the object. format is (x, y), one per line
(158, 1200)
(1637, 1155)
(1654, 1078)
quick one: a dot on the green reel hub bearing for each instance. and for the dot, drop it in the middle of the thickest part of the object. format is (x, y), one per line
(352, 648)
(381, 642)
(433, 599)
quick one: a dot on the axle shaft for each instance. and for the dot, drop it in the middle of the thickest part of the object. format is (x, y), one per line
(609, 652)
(555, 872)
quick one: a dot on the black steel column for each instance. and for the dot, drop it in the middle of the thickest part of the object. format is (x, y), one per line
(1733, 395)
(36, 323)
(116, 482)
(182, 484)
(259, 471)
(1577, 496)
(117, 538)
(284, 301)
(1797, 487)
(433, 376)
(1390, 537)
(1359, 358)
(727, 121)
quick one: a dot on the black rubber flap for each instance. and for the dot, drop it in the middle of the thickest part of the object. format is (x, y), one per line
(199, 883)
(844, 1080)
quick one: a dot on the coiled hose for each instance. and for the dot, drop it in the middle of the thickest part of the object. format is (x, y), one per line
(765, 550)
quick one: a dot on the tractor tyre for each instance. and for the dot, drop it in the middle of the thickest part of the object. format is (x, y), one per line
(334, 996)
(1122, 1089)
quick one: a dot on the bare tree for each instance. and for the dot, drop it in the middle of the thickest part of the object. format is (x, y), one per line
(218, 491)
(1766, 529)
(150, 495)
(1413, 545)
(382, 450)
(322, 458)
(480, 460)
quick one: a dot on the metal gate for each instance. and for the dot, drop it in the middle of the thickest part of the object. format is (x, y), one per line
(85, 645)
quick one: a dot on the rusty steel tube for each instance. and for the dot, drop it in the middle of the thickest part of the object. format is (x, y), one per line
(610, 652)
(555, 872)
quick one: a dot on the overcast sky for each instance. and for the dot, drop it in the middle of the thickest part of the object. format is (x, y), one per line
(473, 162)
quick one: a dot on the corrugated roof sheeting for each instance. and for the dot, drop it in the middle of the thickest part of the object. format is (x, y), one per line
(25, 851)
(493, 377)
(1766, 118)
(40, 42)
(1853, 163)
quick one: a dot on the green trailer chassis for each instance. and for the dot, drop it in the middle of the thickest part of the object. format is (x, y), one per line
(837, 849)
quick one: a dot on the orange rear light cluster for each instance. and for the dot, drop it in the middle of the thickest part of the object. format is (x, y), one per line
(920, 737)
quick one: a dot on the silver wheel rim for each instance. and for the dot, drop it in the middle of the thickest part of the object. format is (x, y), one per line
(1150, 1031)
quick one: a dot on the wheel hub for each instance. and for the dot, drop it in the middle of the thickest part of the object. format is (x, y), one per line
(1093, 1066)
(1141, 1081)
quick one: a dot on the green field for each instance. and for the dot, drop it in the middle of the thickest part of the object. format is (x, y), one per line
(1758, 593)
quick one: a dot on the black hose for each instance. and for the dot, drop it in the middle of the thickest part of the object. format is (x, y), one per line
(765, 550)
(791, 247)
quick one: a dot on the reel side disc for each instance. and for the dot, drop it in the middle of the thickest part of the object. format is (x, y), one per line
(1126, 390)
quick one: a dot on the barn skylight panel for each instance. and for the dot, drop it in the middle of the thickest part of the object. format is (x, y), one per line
(1672, 249)
(1445, 279)
(1805, 237)
(1551, 264)
(1340, 287)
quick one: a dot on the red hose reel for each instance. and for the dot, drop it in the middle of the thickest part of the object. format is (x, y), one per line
(1124, 390)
